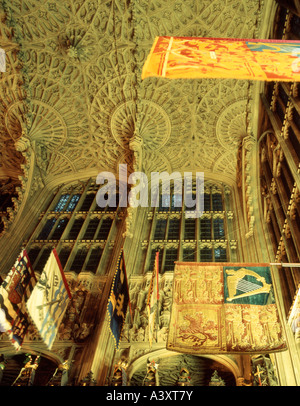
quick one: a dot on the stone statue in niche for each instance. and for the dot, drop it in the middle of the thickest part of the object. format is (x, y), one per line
(27, 373)
(72, 326)
(216, 380)
(60, 376)
(263, 372)
(138, 331)
(166, 304)
(151, 378)
(119, 377)
(277, 159)
(82, 331)
(184, 378)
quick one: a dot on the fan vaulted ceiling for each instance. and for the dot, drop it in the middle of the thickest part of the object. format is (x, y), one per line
(73, 97)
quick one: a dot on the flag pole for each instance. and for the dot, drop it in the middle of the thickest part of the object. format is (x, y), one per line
(157, 293)
(62, 272)
(286, 264)
(129, 302)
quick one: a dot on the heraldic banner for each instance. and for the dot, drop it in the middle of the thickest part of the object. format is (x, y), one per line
(249, 59)
(118, 301)
(14, 292)
(49, 300)
(224, 308)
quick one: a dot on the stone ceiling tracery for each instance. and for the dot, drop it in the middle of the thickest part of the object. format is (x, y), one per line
(73, 97)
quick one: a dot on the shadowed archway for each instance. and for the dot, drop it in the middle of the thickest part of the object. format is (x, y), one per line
(15, 362)
(200, 370)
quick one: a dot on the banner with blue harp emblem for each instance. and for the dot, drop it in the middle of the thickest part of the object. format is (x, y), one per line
(118, 301)
(224, 308)
(49, 300)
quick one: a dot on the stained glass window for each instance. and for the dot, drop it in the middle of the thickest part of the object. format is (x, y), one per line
(46, 229)
(188, 255)
(164, 203)
(62, 202)
(73, 202)
(190, 229)
(79, 259)
(68, 231)
(217, 203)
(59, 229)
(176, 204)
(220, 255)
(89, 198)
(76, 227)
(91, 229)
(171, 257)
(160, 229)
(206, 255)
(94, 259)
(219, 231)
(43, 259)
(174, 229)
(64, 255)
(202, 232)
(104, 229)
(205, 228)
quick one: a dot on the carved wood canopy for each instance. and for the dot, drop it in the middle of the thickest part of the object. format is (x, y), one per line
(72, 98)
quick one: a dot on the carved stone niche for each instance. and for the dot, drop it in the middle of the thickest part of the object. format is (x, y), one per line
(220, 244)
(218, 215)
(230, 215)
(277, 159)
(227, 190)
(285, 130)
(281, 252)
(79, 319)
(268, 207)
(203, 245)
(137, 330)
(233, 244)
(292, 210)
(296, 195)
(263, 155)
(263, 371)
(295, 89)
(189, 244)
(172, 245)
(273, 187)
(287, 230)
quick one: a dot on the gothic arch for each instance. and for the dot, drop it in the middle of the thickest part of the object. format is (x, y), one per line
(45, 363)
(29, 349)
(226, 362)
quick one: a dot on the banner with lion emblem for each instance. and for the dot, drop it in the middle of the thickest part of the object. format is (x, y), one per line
(224, 308)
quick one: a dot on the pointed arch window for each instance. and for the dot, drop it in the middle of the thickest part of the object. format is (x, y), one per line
(198, 238)
(73, 202)
(62, 202)
(47, 229)
(66, 224)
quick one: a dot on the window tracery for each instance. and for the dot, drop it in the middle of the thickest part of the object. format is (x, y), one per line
(78, 228)
(177, 237)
